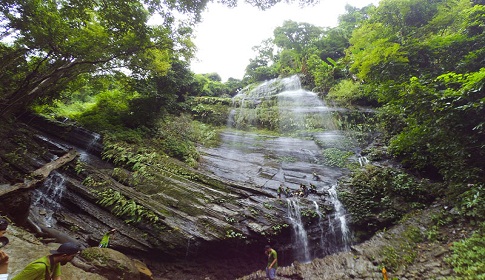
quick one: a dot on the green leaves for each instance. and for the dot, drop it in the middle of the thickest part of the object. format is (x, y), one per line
(375, 56)
(378, 197)
(53, 42)
(336, 157)
(467, 257)
(125, 208)
(444, 127)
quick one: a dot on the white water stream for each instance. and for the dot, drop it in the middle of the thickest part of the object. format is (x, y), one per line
(300, 111)
(46, 199)
(300, 236)
(304, 134)
(340, 218)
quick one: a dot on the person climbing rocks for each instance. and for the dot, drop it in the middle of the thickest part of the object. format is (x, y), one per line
(3, 255)
(105, 239)
(49, 267)
(315, 176)
(313, 189)
(280, 190)
(272, 262)
(288, 192)
(303, 191)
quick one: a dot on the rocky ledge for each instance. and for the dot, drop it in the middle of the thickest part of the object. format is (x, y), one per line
(411, 250)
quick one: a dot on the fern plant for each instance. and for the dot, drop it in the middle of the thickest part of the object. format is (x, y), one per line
(127, 209)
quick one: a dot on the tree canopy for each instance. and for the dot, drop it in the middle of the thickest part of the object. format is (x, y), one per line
(44, 45)
(420, 61)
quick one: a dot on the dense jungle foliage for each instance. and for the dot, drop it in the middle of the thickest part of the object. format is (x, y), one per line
(420, 63)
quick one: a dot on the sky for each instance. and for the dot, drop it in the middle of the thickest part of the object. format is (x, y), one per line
(225, 36)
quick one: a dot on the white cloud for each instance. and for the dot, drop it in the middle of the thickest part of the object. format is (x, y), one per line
(225, 36)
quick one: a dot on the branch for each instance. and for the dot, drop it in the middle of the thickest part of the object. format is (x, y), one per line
(40, 174)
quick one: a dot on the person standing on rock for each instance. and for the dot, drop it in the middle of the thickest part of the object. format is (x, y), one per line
(272, 262)
(105, 240)
(3, 255)
(49, 267)
(280, 190)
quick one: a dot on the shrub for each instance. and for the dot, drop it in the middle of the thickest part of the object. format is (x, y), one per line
(378, 197)
(468, 255)
(348, 92)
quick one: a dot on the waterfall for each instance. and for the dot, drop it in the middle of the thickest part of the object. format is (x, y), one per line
(302, 128)
(302, 251)
(363, 161)
(321, 221)
(84, 153)
(339, 217)
(47, 198)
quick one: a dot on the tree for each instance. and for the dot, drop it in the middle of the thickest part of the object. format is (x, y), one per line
(289, 62)
(52, 42)
(296, 36)
(47, 44)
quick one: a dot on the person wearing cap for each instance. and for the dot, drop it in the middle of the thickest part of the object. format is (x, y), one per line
(272, 262)
(105, 240)
(49, 267)
(3, 255)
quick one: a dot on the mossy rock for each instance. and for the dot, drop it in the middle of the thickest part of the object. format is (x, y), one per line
(111, 263)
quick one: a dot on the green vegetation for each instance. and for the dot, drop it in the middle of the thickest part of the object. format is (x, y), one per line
(467, 257)
(349, 92)
(336, 157)
(231, 234)
(276, 229)
(92, 255)
(379, 197)
(472, 203)
(127, 209)
(418, 63)
(402, 251)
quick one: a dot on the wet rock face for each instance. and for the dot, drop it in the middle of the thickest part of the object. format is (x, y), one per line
(77, 136)
(218, 213)
(16, 205)
(228, 207)
(403, 256)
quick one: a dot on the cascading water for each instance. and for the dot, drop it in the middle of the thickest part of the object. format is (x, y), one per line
(363, 160)
(293, 156)
(46, 199)
(300, 237)
(340, 217)
(321, 221)
(84, 153)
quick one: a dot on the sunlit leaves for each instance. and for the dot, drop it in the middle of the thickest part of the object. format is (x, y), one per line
(55, 41)
(321, 73)
(375, 51)
(444, 125)
(153, 60)
(296, 36)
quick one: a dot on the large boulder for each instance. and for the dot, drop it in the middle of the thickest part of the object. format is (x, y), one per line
(111, 263)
